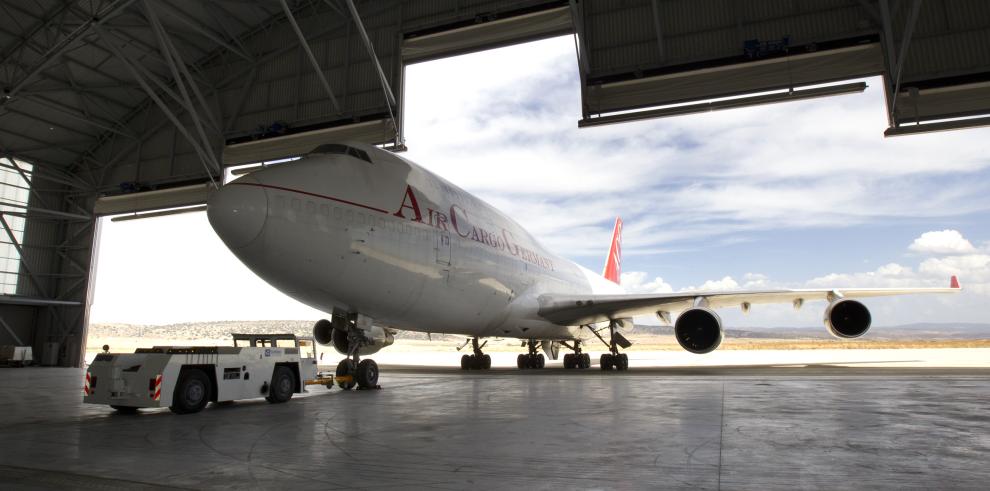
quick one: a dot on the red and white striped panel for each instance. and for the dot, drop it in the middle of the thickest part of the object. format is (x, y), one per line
(86, 389)
(157, 395)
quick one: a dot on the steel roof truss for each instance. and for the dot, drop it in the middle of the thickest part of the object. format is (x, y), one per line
(209, 163)
(309, 53)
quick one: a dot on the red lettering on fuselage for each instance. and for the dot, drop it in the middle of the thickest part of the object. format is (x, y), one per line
(460, 222)
(410, 198)
(453, 220)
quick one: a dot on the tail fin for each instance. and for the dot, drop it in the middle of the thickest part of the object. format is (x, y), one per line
(613, 264)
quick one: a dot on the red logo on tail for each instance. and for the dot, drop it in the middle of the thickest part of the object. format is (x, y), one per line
(613, 264)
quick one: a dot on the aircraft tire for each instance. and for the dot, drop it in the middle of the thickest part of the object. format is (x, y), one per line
(585, 360)
(485, 362)
(346, 367)
(541, 361)
(605, 361)
(568, 361)
(367, 374)
(623, 362)
(465, 362)
(521, 361)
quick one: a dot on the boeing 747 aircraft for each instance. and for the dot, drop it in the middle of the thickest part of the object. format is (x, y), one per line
(380, 244)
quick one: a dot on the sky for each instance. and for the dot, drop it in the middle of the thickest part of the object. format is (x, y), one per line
(797, 195)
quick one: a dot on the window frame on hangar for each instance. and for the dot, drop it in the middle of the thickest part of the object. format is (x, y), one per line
(135, 106)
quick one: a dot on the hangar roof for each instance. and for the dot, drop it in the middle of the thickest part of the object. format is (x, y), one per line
(157, 93)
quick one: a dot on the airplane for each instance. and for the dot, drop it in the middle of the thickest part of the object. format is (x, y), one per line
(380, 244)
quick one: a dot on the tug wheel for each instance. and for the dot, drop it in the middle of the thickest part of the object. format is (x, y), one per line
(192, 392)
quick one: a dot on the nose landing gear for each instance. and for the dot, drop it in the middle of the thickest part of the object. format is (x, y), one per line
(353, 371)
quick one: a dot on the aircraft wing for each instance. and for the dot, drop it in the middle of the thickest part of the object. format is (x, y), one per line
(572, 310)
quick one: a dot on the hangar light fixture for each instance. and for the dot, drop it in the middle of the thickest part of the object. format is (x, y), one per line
(756, 100)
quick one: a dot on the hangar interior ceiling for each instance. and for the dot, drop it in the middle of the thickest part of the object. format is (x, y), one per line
(116, 106)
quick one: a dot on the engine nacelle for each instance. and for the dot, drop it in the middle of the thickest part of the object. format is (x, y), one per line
(698, 330)
(847, 319)
(335, 334)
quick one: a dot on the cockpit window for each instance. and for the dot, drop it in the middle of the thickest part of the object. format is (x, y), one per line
(336, 148)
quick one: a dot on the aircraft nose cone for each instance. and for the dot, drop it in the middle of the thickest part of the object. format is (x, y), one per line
(238, 211)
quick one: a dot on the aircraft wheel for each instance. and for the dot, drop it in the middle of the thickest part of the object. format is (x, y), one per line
(541, 361)
(346, 368)
(623, 362)
(465, 362)
(569, 361)
(367, 374)
(486, 362)
(521, 361)
(605, 361)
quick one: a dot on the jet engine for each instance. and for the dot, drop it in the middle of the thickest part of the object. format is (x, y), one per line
(847, 319)
(340, 335)
(698, 330)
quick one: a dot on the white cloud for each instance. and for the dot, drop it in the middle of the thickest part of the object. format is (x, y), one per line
(513, 140)
(942, 242)
(635, 282)
(726, 283)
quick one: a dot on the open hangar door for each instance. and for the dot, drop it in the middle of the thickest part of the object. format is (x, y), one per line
(659, 58)
(125, 106)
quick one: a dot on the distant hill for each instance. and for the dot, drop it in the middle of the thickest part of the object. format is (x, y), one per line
(223, 329)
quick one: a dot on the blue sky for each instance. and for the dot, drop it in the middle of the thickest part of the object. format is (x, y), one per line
(803, 194)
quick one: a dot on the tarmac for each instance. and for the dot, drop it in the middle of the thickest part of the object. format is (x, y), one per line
(712, 427)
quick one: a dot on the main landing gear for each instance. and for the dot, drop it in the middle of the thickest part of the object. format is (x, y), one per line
(477, 361)
(577, 359)
(613, 359)
(532, 359)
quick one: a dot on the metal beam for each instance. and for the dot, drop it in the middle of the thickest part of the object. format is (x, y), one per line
(180, 15)
(56, 51)
(27, 179)
(178, 68)
(82, 118)
(659, 32)
(902, 55)
(43, 23)
(20, 254)
(312, 59)
(371, 51)
(203, 153)
(11, 331)
(577, 18)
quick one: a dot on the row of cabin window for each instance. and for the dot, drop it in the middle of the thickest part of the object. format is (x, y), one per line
(349, 217)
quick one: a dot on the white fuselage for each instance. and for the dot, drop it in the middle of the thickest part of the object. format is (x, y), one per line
(390, 240)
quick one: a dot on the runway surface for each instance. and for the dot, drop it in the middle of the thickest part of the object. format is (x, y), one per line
(738, 427)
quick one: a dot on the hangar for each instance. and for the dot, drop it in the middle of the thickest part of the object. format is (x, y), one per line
(137, 106)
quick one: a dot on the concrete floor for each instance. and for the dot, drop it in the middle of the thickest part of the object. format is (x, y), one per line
(734, 428)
